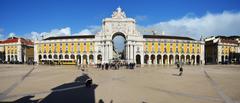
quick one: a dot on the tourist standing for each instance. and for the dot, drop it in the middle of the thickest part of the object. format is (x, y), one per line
(180, 71)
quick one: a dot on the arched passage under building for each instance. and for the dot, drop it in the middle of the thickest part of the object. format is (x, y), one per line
(138, 59)
(99, 58)
(152, 59)
(119, 47)
(165, 59)
(146, 58)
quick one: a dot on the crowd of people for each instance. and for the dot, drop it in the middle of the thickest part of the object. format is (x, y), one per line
(115, 65)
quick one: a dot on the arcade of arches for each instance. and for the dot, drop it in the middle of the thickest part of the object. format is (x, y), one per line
(169, 59)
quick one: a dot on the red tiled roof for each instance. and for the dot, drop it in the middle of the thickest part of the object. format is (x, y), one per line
(10, 40)
(15, 39)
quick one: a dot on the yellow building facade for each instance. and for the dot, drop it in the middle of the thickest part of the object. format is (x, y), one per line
(159, 49)
(66, 50)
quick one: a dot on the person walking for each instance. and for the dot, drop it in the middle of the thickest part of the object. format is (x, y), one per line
(180, 71)
(178, 65)
(102, 66)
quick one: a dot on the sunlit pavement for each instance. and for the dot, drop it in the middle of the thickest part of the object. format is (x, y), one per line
(149, 84)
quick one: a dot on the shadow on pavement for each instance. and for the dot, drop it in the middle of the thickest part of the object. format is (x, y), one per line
(25, 99)
(74, 92)
(175, 74)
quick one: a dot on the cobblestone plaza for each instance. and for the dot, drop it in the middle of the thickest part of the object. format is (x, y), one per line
(149, 84)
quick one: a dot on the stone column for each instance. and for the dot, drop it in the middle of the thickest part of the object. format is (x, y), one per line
(174, 59)
(142, 58)
(35, 53)
(128, 52)
(95, 58)
(131, 53)
(202, 56)
(167, 60)
(25, 55)
(105, 53)
(111, 51)
(162, 59)
(185, 59)
(6, 53)
(19, 53)
(195, 60)
(87, 61)
(81, 59)
(6, 56)
(108, 52)
(149, 59)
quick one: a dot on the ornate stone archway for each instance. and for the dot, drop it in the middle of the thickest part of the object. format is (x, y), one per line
(119, 24)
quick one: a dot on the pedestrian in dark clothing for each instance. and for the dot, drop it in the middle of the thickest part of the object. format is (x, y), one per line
(181, 71)
(102, 66)
(178, 65)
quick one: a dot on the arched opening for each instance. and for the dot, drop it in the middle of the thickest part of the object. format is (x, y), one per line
(85, 59)
(222, 59)
(39, 57)
(118, 41)
(182, 58)
(198, 59)
(49, 56)
(91, 58)
(146, 58)
(66, 56)
(153, 59)
(193, 59)
(138, 59)
(72, 56)
(99, 58)
(55, 56)
(60, 56)
(188, 59)
(170, 59)
(177, 58)
(44, 56)
(79, 59)
(165, 59)
(159, 59)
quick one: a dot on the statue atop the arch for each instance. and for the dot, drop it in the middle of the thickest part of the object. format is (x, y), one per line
(119, 14)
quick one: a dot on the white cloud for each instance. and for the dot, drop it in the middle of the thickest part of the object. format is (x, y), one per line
(226, 23)
(94, 28)
(83, 32)
(54, 32)
(91, 30)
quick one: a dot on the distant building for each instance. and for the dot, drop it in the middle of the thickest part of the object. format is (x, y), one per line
(222, 49)
(16, 49)
(138, 48)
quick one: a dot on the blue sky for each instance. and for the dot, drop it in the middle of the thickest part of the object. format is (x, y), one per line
(28, 18)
